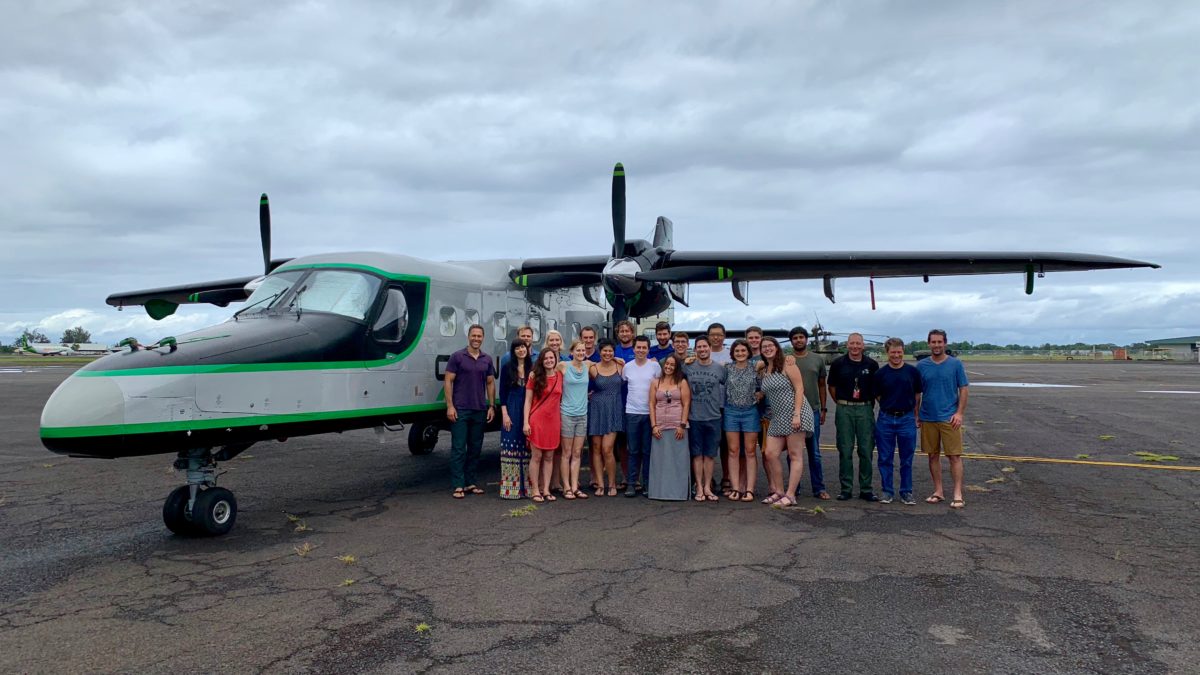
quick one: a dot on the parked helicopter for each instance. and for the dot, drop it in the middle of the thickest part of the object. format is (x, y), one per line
(343, 341)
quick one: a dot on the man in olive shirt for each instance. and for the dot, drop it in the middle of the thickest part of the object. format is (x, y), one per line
(813, 371)
(852, 386)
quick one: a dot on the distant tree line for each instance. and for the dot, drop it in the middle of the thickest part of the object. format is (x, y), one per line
(966, 345)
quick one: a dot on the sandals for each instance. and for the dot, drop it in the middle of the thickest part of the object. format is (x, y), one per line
(784, 502)
(612, 491)
(568, 495)
(934, 499)
(747, 496)
(538, 498)
(699, 497)
(581, 494)
(551, 498)
(458, 493)
(726, 485)
(772, 498)
(958, 503)
(712, 498)
(823, 495)
(734, 496)
(599, 490)
(474, 489)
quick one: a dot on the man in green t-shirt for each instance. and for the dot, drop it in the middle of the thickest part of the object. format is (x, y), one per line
(813, 372)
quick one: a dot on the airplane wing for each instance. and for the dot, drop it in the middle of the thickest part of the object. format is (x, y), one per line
(162, 302)
(721, 266)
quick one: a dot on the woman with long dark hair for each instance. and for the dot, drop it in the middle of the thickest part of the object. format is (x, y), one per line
(670, 458)
(514, 448)
(543, 421)
(791, 421)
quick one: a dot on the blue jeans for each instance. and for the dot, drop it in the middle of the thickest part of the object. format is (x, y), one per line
(813, 445)
(891, 432)
(637, 438)
(466, 443)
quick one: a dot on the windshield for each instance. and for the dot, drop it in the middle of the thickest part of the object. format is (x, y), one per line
(338, 291)
(270, 291)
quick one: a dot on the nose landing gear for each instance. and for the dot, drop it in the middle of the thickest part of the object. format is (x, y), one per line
(200, 508)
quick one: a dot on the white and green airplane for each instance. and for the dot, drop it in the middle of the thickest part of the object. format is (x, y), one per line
(43, 349)
(340, 341)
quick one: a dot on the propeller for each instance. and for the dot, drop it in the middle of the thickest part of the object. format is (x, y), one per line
(264, 231)
(618, 210)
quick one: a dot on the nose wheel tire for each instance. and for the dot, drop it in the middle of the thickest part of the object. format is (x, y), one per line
(214, 512)
(422, 438)
(175, 512)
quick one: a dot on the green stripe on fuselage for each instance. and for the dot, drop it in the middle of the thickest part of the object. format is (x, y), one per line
(193, 425)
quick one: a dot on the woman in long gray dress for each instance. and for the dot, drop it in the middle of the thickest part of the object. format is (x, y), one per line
(670, 460)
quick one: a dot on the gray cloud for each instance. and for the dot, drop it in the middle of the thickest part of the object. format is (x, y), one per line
(137, 138)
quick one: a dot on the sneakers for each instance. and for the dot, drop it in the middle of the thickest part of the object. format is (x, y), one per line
(907, 498)
(886, 498)
(868, 497)
(630, 492)
(843, 496)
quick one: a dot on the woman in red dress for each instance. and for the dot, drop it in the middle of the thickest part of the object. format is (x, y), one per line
(543, 422)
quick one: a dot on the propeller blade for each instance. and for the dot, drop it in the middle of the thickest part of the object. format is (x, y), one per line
(264, 231)
(554, 279)
(618, 210)
(687, 273)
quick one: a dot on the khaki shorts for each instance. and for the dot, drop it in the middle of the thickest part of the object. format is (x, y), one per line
(574, 426)
(943, 435)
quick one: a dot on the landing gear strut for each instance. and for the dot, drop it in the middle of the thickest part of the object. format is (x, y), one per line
(200, 508)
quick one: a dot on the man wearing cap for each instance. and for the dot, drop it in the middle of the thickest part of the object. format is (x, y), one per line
(813, 372)
(852, 386)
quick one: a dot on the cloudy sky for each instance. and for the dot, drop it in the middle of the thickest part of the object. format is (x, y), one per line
(136, 138)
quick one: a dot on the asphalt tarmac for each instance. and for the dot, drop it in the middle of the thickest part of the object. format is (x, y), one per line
(1050, 567)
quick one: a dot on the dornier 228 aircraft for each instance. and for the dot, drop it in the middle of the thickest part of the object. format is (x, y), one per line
(334, 342)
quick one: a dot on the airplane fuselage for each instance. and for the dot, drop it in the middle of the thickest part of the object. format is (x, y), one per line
(290, 371)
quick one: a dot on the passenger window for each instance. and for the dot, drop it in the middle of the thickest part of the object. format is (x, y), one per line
(500, 325)
(449, 321)
(575, 328)
(535, 323)
(552, 324)
(472, 316)
(393, 320)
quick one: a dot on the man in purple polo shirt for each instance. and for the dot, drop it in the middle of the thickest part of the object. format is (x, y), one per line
(470, 388)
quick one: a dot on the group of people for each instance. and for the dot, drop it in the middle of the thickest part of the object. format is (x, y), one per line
(657, 416)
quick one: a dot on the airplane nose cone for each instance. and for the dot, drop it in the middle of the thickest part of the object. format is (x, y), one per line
(620, 276)
(77, 407)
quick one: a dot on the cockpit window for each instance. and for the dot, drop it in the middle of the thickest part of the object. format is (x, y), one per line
(270, 291)
(339, 292)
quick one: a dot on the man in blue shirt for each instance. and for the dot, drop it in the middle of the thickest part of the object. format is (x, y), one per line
(588, 335)
(664, 348)
(898, 389)
(625, 334)
(943, 403)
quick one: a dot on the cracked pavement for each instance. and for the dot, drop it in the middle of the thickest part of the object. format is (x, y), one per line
(1049, 568)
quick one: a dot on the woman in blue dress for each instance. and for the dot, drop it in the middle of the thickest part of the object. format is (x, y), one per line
(514, 450)
(606, 418)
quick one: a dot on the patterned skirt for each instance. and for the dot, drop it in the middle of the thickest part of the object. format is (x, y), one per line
(514, 467)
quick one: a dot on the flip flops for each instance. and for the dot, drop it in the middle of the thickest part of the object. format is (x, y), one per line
(958, 503)
(934, 499)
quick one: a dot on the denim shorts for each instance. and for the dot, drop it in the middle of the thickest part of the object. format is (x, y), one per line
(574, 426)
(746, 420)
(704, 437)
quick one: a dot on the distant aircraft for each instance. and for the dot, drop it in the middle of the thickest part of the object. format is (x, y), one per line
(344, 341)
(44, 349)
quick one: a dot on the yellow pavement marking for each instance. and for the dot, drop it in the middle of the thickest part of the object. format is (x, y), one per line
(1052, 460)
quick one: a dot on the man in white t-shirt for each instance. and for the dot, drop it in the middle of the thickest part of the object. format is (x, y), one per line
(638, 375)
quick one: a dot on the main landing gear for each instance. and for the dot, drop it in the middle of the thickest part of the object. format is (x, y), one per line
(422, 437)
(200, 508)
